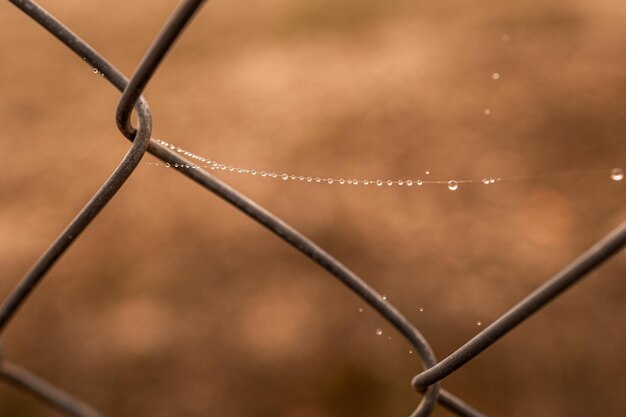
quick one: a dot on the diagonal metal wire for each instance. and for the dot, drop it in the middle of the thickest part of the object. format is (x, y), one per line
(27, 381)
(86, 215)
(432, 393)
(427, 381)
(571, 274)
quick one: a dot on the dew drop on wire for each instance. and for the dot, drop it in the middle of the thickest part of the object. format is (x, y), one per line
(410, 352)
(379, 332)
(284, 176)
(420, 182)
(167, 165)
(330, 180)
(95, 70)
(479, 323)
(453, 185)
(617, 174)
(384, 297)
(379, 183)
(421, 309)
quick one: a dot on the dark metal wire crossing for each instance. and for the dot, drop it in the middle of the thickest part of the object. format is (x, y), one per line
(428, 382)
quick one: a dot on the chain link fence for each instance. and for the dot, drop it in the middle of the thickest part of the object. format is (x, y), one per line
(428, 382)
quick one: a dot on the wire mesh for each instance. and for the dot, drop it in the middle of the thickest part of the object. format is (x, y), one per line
(428, 381)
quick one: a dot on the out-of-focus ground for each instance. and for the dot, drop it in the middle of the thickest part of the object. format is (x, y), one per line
(174, 304)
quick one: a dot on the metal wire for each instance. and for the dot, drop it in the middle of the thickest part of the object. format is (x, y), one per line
(426, 382)
(57, 398)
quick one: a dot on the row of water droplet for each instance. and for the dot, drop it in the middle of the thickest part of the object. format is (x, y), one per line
(616, 174)
(207, 163)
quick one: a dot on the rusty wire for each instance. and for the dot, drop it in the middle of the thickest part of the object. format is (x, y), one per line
(428, 382)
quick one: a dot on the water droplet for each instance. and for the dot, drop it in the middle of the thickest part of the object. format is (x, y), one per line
(309, 179)
(420, 182)
(487, 112)
(379, 332)
(284, 176)
(366, 182)
(318, 179)
(427, 172)
(355, 182)
(409, 183)
(330, 180)
(495, 76)
(384, 297)
(167, 165)
(421, 309)
(253, 172)
(360, 309)
(617, 174)
(263, 174)
(389, 182)
(400, 182)
(293, 177)
(349, 181)
(379, 183)
(453, 185)
(479, 323)
(95, 70)
(410, 352)
(341, 181)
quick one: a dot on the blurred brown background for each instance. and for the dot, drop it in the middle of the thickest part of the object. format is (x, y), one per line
(174, 304)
